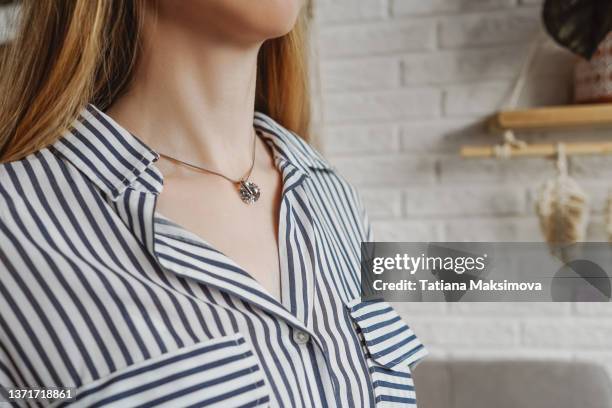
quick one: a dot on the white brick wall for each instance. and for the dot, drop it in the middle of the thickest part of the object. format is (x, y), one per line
(406, 83)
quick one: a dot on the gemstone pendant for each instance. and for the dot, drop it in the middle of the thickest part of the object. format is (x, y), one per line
(249, 192)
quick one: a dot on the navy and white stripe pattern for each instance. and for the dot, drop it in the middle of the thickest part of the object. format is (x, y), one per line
(100, 292)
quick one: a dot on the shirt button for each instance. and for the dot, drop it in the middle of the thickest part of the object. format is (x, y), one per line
(301, 337)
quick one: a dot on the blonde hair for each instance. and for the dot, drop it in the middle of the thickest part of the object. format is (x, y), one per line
(67, 53)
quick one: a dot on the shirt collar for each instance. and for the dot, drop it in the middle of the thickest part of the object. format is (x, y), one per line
(114, 159)
(110, 156)
(289, 147)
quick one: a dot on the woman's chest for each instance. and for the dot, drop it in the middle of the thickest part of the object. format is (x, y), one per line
(246, 234)
(139, 313)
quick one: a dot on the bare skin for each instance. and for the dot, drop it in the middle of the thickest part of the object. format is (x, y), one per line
(193, 98)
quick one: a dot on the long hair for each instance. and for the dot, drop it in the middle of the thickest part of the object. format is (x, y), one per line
(67, 53)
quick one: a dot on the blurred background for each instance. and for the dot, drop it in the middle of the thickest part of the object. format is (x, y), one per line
(401, 86)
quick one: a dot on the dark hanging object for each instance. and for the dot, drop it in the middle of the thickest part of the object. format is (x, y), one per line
(578, 25)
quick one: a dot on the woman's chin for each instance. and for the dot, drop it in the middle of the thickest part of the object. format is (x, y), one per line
(280, 17)
(278, 31)
(243, 19)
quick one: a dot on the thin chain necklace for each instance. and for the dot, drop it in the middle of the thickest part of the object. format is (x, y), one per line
(249, 192)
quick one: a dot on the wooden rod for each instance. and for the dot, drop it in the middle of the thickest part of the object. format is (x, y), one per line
(539, 150)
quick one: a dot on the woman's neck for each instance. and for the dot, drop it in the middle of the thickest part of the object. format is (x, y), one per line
(192, 97)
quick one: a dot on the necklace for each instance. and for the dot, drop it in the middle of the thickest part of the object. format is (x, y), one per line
(249, 192)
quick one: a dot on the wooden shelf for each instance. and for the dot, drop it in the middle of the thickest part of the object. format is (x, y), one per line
(555, 117)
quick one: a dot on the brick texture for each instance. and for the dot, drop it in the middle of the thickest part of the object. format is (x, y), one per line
(505, 27)
(404, 84)
(419, 7)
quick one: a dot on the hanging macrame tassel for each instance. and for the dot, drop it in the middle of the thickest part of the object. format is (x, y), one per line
(563, 208)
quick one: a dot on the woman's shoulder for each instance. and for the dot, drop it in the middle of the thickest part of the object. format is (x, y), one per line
(290, 144)
(295, 149)
(328, 185)
(15, 178)
(33, 169)
(27, 186)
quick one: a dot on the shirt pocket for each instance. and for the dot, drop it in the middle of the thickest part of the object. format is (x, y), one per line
(221, 372)
(391, 351)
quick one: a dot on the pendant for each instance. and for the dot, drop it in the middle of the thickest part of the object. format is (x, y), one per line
(249, 191)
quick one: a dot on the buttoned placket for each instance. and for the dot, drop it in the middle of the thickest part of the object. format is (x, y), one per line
(295, 189)
(139, 202)
(299, 319)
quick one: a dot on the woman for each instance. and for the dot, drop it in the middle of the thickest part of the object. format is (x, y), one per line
(237, 283)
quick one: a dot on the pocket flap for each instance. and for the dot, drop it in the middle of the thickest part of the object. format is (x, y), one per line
(389, 340)
(217, 372)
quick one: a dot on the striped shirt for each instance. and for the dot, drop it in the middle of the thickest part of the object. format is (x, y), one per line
(101, 293)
